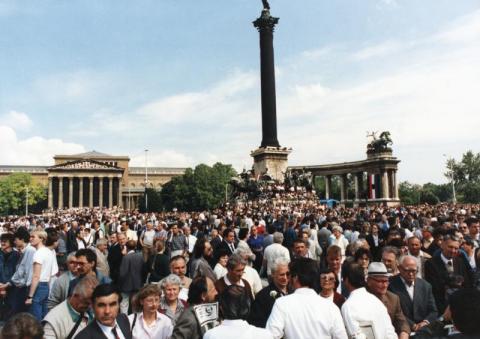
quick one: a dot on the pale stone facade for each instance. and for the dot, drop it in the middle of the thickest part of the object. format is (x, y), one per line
(95, 179)
(271, 160)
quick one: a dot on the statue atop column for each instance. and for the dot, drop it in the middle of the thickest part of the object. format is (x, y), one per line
(266, 5)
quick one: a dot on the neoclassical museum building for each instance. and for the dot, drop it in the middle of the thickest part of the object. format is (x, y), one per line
(95, 179)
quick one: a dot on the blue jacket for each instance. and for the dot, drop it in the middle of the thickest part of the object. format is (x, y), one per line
(8, 265)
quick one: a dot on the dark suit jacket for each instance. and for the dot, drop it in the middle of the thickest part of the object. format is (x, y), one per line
(72, 245)
(187, 326)
(436, 274)
(262, 306)
(131, 275)
(225, 246)
(375, 250)
(114, 259)
(423, 305)
(93, 331)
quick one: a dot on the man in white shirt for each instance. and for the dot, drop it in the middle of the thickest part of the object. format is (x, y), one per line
(274, 251)
(304, 314)
(363, 312)
(235, 309)
(191, 239)
(147, 238)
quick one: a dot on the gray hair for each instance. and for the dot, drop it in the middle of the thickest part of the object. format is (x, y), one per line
(279, 262)
(85, 286)
(359, 243)
(243, 252)
(101, 242)
(277, 237)
(391, 249)
(70, 256)
(171, 279)
(405, 257)
(234, 261)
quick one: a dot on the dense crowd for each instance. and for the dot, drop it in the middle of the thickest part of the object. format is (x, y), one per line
(283, 266)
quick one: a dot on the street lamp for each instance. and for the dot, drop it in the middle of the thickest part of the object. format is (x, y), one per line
(454, 198)
(26, 201)
(146, 181)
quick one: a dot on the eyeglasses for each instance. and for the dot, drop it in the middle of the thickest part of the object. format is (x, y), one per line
(380, 281)
(327, 278)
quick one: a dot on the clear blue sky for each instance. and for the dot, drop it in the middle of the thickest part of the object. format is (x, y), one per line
(181, 78)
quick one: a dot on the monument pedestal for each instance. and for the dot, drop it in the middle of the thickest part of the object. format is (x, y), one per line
(271, 160)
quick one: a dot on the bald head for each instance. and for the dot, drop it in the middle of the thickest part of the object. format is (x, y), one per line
(408, 268)
(408, 260)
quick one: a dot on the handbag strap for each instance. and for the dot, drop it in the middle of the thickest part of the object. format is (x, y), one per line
(75, 327)
(134, 321)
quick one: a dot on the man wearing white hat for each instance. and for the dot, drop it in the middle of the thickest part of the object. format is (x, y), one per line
(377, 284)
(363, 313)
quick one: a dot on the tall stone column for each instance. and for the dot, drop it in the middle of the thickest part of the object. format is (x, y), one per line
(110, 192)
(90, 195)
(80, 192)
(385, 184)
(50, 192)
(266, 25)
(328, 186)
(70, 192)
(395, 185)
(60, 192)
(357, 186)
(100, 192)
(119, 193)
(343, 187)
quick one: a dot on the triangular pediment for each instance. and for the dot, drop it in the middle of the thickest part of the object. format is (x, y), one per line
(85, 164)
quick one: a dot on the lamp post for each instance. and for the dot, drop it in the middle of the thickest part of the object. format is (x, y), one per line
(26, 201)
(454, 197)
(146, 181)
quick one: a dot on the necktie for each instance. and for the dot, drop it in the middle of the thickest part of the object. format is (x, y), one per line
(232, 248)
(115, 333)
(450, 266)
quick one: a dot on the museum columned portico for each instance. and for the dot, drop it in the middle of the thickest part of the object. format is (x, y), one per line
(84, 183)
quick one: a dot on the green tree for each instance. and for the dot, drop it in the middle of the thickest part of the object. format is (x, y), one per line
(198, 189)
(154, 201)
(427, 196)
(13, 193)
(409, 193)
(466, 176)
(443, 191)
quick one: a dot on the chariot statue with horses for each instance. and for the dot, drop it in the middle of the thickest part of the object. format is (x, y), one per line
(380, 143)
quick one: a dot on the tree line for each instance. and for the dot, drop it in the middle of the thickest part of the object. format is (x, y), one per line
(207, 187)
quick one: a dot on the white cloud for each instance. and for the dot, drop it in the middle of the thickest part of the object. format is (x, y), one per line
(381, 50)
(16, 120)
(427, 98)
(163, 158)
(74, 87)
(32, 151)
(464, 30)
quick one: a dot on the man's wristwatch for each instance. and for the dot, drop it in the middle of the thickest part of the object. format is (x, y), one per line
(29, 297)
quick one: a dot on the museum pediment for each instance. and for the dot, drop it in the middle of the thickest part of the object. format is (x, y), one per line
(85, 164)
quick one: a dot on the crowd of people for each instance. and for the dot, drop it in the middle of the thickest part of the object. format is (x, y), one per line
(283, 266)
